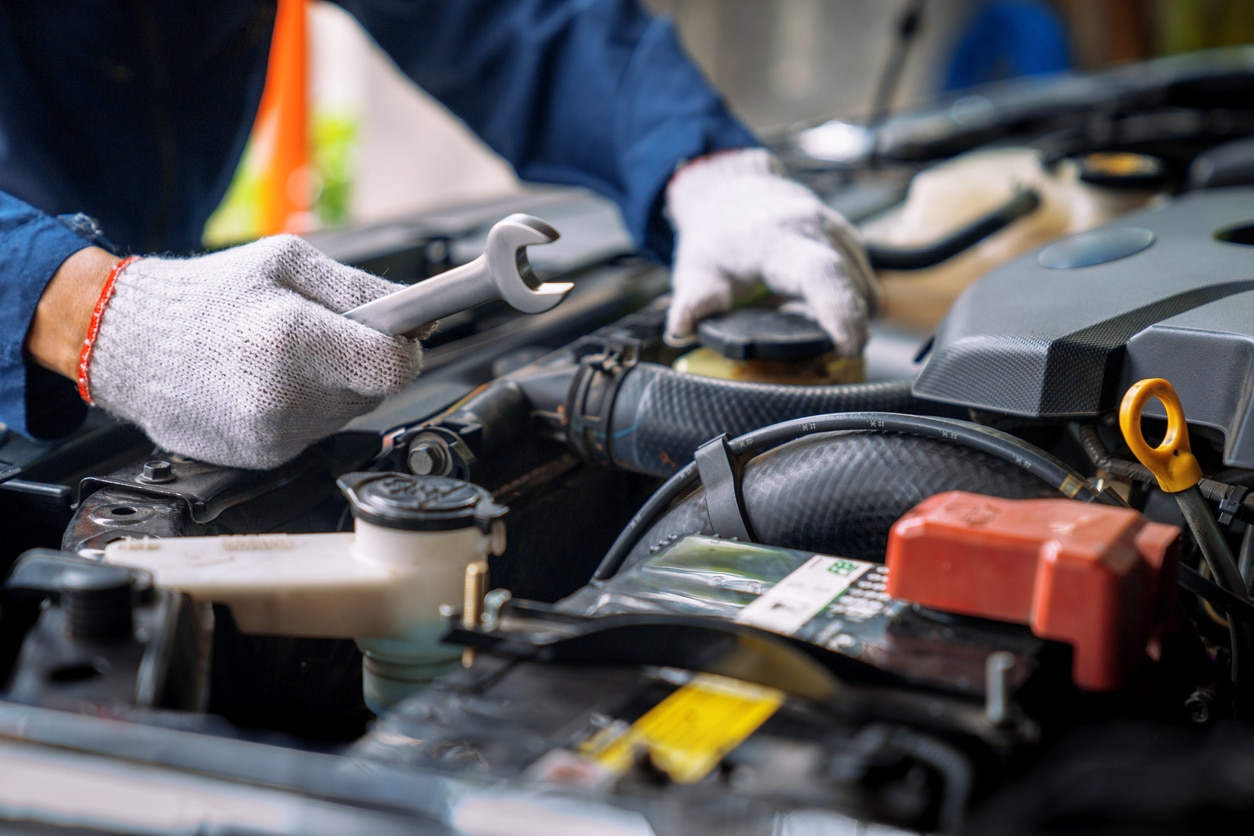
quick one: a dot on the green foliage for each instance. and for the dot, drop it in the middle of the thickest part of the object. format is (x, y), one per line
(334, 136)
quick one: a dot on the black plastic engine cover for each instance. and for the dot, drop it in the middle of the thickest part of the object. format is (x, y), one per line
(1065, 341)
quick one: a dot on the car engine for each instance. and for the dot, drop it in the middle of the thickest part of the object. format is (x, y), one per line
(993, 578)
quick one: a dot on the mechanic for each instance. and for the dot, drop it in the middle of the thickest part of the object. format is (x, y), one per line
(121, 124)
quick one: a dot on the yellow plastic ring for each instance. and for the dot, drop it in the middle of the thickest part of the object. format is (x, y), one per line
(1172, 461)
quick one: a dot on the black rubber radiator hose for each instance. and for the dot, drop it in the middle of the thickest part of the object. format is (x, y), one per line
(840, 493)
(657, 417)
(836, 483)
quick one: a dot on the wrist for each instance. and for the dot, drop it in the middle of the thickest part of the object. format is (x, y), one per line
(747, 160)
(701, 177)
(64, 313)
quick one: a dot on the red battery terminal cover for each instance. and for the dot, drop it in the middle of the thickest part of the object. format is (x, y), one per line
(1097, 577)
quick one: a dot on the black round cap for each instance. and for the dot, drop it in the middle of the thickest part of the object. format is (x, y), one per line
(763, 334)
(98, 601)
(419, 503)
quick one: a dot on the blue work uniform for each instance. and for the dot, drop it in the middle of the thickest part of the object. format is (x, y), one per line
(135, 113)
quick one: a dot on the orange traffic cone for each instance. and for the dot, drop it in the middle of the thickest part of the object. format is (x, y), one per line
(282, 130)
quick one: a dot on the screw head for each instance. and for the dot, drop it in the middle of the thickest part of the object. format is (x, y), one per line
(157, 471)
(427, 458)
(1198, 706)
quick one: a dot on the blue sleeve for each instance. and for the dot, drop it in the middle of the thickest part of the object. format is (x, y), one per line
(33, 400)
(593, 93)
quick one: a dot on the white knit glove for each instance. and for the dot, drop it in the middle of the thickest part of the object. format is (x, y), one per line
(241, 357)
(738, 221)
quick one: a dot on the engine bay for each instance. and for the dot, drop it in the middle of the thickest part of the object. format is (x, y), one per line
(993, 578)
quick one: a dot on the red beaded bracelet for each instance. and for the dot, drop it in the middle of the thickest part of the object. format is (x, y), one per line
(89, 342)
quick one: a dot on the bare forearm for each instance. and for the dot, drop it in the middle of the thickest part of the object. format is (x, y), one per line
(56, 334)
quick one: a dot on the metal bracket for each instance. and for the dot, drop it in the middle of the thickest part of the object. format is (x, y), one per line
(206, 489)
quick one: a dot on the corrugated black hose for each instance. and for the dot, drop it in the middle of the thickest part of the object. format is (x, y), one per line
(836, 483)
(660, 416)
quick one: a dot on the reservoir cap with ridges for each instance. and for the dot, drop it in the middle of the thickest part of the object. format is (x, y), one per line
(419, 503)
(763, 334)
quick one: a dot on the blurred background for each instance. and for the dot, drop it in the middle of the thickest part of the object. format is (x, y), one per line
(382, 149)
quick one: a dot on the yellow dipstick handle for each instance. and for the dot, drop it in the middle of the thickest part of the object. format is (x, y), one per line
(1172, 462)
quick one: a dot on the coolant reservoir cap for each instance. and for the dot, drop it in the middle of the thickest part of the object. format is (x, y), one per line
(419, 503)
(763, 334)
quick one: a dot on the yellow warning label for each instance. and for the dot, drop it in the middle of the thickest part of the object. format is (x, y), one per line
(690, 731)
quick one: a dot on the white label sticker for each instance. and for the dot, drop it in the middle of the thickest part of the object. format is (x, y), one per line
(804, 593)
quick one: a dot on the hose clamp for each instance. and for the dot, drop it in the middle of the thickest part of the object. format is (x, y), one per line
(590, 403)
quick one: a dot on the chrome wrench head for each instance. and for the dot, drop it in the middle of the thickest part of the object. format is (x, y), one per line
(502, 272)
(510, 270)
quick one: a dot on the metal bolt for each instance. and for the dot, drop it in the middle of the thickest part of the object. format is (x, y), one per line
(1198, 705)
(428, 458)
(476, 585)
(157, 471)
(997, 707)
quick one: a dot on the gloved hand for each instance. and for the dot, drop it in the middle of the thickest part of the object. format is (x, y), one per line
(739, 221)
(241, 357)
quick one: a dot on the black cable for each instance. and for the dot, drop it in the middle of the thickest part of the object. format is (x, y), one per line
(1240, 617)
(1194, 581)
(1223, 568)
(1099, 454)
(1245, 558)
(1210, 541)
(952, 764)
(1192, 506)
(650, 511)
(975, 436)
(1101, 457)
(1206, 533)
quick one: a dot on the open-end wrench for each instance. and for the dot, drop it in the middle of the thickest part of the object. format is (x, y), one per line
(502, 272)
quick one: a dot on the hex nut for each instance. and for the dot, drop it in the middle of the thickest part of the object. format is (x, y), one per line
(427, 458)
(157, 472)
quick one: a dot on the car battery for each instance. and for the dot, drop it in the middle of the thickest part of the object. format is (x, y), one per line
(790, 675)
(1099, 578)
